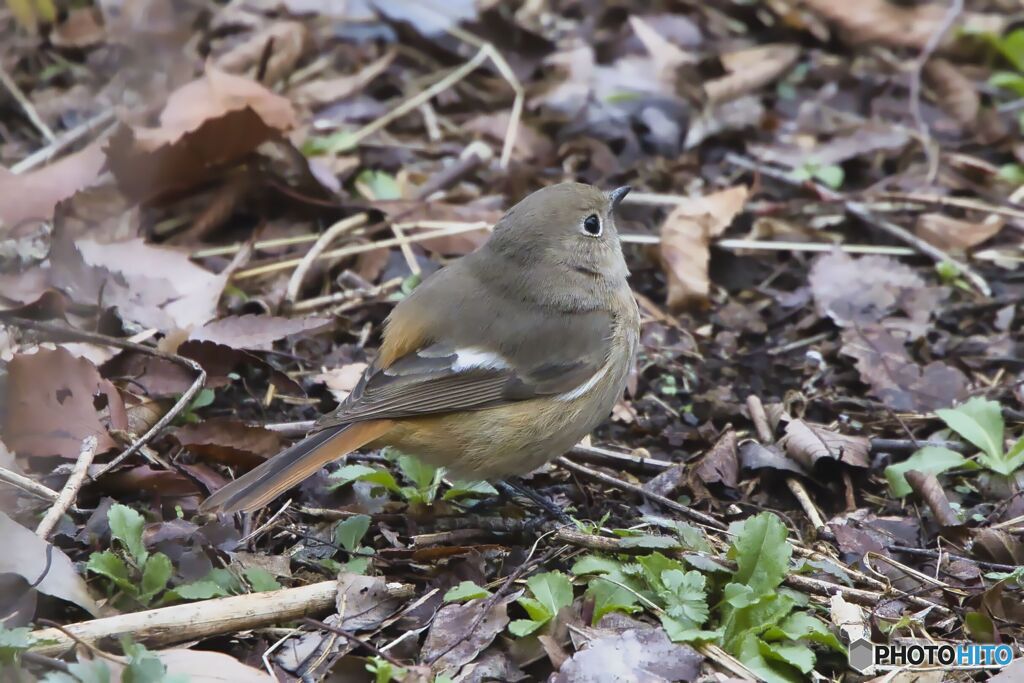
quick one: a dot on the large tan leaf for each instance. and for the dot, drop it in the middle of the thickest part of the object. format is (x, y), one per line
(686, 238)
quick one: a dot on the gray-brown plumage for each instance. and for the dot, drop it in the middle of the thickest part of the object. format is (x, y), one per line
(495, 364)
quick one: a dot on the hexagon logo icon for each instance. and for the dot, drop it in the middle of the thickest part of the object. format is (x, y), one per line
(862, 655)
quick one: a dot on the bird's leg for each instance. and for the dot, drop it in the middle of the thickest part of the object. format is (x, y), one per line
(514, 486)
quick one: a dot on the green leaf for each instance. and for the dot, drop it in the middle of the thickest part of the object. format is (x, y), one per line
(537, 610)
(380, 184)
(685, 596)
(680, 632)
(335, 143)
(356, 565)
(462, 489)
(610, 596)
(739, 595)
(200, 590)
(202, 399)
(831, 175)
(126, 526)
(465, 591)
(803, 626)
(12, 643)
(1014, 458)
(761, 552)
(1012, 47)
(794, 654)
(980, 421)
(143, 665)
(421, 474)
(155, 576)
(650, 541)
(930, 460)
(350, 473)
(1009, 81)
(980, 628)
(113, 567)
(524, 627)
(755, 618)
(771, 670)
(350, 532)
(95, 671)
(654, 567)
(690, 536)
(552, 589)
(261, 580)
(596, 564)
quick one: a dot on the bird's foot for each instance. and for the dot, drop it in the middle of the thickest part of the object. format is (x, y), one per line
(514, 486)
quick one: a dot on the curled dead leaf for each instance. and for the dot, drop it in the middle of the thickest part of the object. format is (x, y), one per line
(807, 443)
(950, 233)
(749, 70)
(257, 332)
(686, 236)
(227, 441)
(954, 92)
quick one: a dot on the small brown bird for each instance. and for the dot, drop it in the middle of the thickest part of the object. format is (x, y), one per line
(495, 364)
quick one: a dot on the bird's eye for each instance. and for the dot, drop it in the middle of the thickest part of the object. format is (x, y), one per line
(592, 225)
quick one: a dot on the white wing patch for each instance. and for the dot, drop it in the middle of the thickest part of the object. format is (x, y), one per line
(585, 387)
(475, 359)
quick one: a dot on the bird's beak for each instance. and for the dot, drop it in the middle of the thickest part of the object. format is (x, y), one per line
(616, 196)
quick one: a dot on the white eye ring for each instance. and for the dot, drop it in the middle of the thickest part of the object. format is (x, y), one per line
(592, 226)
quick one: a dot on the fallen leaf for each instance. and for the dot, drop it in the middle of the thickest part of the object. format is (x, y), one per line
(645, 655)
(42, 565)
(895, 379)
(143, 478)
(207, 124)
(686, 236)
(807, 443)
(256, 331)
(290, 41)
(229, 441)
(450, 643)
(749, 70)
(220, 361)
(953, 234)
(720, 465)
(858, 291)
(341, 381)
(862, 141)
(954, 92)
(35, 194)
(205, 666)
(364, 602)
(51, 405)
(321, 91)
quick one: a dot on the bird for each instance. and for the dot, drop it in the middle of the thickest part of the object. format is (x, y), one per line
(496, 363)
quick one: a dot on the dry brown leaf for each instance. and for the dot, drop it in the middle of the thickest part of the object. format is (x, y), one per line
(863, 140)
(34, 195)
(81, 28)
(256, 331)
(219, 361)
(642, 654)
(750, 70)
(808, 443)
(451, 642)
(956, 94)
(927, 486)
(207, 124)
(881, 21)
(341, 381)
(228, 441)
(50, 405)
(686, 238)
(290, 40)
(720, 465)
(950, 233)
(895, 379)
(205, 666)
(323, 91)
(43, 565)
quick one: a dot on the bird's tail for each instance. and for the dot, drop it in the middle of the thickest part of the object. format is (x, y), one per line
(278, 474)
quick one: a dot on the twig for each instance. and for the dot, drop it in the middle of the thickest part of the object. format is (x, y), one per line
(862, 211)
(65, 140)
(956, 7)
(957, 202)
(903, 445)
(698, 517)
(471, 159)
(191, 621)
(355, 249)
(26, 105)
(62, 331)
(71, 487)
(347, 296)
(353, 638)
(935, 554)
(331, 234)
(27, 485)
(760, 419)
(603, 456)
(781, 245)
(799, 492)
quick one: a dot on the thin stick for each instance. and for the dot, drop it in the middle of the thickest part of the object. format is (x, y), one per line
(351, 251)
(71, 487)
(346, 296)
(61, 331)
(698, 517)
(41, 156)
(862, 211)
(195, 620)
(351, 637)
(332, 233)
(27, 485)
(606, 457)
(958, 202)
(26, 105)
(780, 245)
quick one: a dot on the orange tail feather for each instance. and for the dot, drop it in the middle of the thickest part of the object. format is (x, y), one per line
(278, 474)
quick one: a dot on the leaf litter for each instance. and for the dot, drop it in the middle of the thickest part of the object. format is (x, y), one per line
(805, 183)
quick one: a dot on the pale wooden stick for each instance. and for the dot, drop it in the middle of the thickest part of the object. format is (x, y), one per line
(195, 620)
(71, 486)
(41, 156)
(331, 234)
(27, 485)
